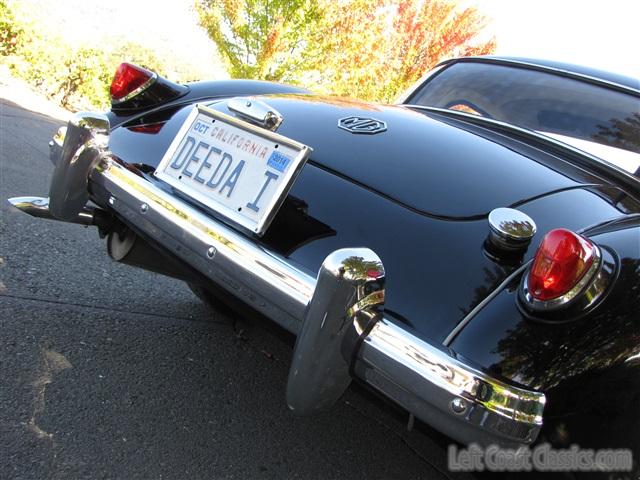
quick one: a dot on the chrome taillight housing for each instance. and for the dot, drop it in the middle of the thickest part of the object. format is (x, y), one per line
(134, 89)
(129, 81)
(566, 270)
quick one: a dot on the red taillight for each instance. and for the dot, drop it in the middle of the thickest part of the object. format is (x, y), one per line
(151, 128)
(128, 79)
(561, 261)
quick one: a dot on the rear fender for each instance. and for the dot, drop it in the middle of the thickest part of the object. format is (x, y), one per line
(588, 368)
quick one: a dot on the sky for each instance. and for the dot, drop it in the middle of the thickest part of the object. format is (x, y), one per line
(602, 34)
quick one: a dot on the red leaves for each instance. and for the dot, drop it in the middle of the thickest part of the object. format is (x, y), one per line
(370, 49)
(378, 48)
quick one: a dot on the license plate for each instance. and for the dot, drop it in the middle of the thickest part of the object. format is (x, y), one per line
(238, 170)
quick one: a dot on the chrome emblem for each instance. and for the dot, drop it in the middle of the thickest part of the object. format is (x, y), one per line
(362, 125)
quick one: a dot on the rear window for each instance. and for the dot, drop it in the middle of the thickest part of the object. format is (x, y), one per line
(540, 101)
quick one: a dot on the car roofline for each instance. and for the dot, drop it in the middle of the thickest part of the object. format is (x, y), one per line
(541, 66)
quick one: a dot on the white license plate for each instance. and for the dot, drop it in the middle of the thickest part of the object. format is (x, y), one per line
(241, 171)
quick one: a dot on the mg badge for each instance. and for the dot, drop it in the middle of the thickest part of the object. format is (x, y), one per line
(362, 125)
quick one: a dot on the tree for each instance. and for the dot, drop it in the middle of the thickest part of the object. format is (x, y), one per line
(619, 133)
(261, 39)
(11, 32)
(378, 48)
(369, 49)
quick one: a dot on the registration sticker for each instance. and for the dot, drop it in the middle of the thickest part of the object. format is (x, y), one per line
(278, 161)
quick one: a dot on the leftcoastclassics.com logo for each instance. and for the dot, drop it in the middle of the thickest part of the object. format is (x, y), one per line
(542, 458)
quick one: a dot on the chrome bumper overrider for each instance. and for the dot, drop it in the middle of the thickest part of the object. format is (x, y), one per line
(336, 313)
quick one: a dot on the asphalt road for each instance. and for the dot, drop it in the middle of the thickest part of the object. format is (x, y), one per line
(107, 371)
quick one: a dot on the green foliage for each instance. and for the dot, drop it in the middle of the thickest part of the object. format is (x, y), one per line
(10, 31)
(369, 49)
(72, 77)
(261, 39)
(135, 53)
(87, 78)
(375, 49)
(75, 77)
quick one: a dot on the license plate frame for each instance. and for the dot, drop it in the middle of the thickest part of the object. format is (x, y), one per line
(298, 155)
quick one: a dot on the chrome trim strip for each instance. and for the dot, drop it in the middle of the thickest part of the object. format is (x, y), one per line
(448, 385)
(330, 313)
(267, 282)
(478, 120)
(595, 291)
(137, 91)
(404, 96)
(547, 68)
(465, 321)
(515, 63)
(589, 288)
(282, 292)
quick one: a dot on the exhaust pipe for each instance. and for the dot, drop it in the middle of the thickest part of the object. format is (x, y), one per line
(123, 245)
(39, 207)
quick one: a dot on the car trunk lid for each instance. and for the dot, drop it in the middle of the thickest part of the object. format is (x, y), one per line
(417, 194)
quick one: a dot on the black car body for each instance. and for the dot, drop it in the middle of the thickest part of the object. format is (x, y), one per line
(381, 258)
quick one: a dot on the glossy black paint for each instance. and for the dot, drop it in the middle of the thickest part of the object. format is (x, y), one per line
(589, 368)
(206, 91)
(617, 177)
(412, 163)
(159, 92)
(495, 337)
(362, 189)
(418, 195)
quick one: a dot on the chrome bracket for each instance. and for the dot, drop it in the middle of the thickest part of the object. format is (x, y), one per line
(347, 301)
(256, 112)
(84, 143)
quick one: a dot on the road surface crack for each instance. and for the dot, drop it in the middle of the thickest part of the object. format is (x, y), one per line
(51, 364)
(109, 309)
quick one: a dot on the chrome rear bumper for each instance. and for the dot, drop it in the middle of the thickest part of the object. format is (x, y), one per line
(337, 313)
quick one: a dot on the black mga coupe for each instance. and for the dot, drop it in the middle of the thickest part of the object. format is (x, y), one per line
(472, 253)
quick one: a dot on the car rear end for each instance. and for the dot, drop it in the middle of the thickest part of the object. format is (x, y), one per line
(336, 300)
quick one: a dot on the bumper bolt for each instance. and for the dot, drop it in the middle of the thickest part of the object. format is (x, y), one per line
(458, 405)
(211, 252)
(144, 208)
